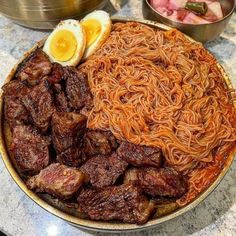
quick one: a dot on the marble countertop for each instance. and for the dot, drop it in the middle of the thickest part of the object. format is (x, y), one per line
(21, 216)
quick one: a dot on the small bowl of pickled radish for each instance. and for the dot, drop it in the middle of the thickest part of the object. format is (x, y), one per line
(203, 20)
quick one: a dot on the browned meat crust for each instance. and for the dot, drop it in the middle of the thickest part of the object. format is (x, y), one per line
(162, 182)
(59, 180)
(14, 111)
(124, 202)
(98, 142)
(72, 156)
(103, 171)
(39, 104)
(77, 88)
(30, 149)
(15, 89)
(34, 68)
(67, 129)
(140, 156)
(60, 99)
(57, 74)
(57, 82)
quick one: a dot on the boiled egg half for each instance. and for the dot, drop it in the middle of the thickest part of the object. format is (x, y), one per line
(66, 44)
(97, 26)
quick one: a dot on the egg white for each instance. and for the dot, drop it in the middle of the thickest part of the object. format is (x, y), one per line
(104, 19)
(74, 27)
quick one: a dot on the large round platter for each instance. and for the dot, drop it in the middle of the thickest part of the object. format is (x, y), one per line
(56, 209)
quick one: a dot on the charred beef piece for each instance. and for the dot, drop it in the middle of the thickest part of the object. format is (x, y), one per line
(124, 202)
(38, 102)
(161, 182)
(99, 142)
(59, 180)
(57, 74)
(77, 88)
(67, 129)
(140, 156)
(34, 68)
(164, 182)
(60, 99)
(57, 82)
(103, 171)
(14, 111)
(72, 156)
(15, 89)
(30, 149)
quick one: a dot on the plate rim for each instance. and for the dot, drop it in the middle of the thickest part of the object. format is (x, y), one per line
(103, 226)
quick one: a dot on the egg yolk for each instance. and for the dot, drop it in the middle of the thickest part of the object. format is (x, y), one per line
(63, 45)
(92, 29)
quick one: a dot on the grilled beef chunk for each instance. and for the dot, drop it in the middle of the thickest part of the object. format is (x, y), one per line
(157, 182)
(161, 182)
(139, 156)
(30, 149)
(14, 111)
(58, 180)
(57, 82)
(34, 68)
(38, 102)
(77, 88)
(124, 202)
(131, 176)
(99, 142)
(72, 156)
(14, 89)
(57, 74)
(60, 99)
(67, 129)
(103, 171)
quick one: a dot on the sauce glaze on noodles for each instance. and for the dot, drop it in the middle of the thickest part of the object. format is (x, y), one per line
(159, 89)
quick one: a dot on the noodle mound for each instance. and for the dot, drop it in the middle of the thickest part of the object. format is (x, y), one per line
(159, 89)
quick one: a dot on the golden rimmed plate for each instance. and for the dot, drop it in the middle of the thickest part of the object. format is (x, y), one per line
(56, 209)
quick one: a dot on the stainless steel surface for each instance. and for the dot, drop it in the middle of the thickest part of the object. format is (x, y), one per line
(99, 225)
(203, 32)
(45, 14)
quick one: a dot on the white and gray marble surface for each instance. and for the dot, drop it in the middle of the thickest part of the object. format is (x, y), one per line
(21, 216)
